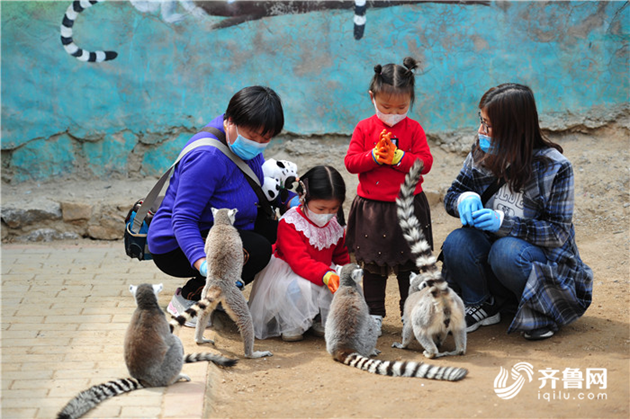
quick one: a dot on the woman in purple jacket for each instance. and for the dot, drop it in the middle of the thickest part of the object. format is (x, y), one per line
(206, 178)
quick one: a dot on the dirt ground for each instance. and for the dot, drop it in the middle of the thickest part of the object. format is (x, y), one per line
(302, 380)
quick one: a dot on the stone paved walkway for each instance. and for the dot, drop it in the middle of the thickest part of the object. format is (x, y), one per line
(65, 310)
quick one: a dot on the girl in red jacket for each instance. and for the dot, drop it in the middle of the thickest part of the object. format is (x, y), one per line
(382, 150)
(293, 293)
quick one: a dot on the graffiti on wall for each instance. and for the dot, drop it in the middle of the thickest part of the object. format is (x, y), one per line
(178, 64)
(233, 13)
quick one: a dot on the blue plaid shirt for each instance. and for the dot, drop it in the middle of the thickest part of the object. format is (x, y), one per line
(557, 292)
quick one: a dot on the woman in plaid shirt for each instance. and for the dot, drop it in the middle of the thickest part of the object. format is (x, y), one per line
(516, 251)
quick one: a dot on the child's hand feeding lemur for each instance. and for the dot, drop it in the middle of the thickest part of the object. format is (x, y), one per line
(331, 280)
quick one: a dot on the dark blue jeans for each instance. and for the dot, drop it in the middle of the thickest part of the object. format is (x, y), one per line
(481, 266)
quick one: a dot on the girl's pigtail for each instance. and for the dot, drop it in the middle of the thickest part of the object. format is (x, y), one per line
(410, 63)
(302, 190)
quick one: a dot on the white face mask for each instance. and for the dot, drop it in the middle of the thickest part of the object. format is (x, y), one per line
(319, 220)
(389, 119)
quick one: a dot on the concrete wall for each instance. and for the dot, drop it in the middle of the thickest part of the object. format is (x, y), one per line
(63, 117)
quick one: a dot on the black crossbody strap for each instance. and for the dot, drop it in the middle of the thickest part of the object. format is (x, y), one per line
(250, 176)
(236, 159)
(147, 203)
(491, 190)
(487, 194)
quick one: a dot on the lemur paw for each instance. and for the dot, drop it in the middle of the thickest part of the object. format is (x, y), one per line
(204, 340)
(183, 377)
(258, 354)
(429, 354)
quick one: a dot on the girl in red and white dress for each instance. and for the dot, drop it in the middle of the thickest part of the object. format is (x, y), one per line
(293, 293)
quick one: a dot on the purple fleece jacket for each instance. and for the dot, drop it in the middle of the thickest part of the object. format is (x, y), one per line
(203, 179)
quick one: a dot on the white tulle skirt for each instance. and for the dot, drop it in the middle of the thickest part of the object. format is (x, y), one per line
(283, 302)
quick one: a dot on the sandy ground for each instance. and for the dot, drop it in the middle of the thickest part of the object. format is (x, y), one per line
(302, 380)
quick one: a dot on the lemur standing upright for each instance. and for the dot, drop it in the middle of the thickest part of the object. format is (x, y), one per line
(224, 255)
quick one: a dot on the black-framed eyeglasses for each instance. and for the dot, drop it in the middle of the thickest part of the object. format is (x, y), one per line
(485, 125)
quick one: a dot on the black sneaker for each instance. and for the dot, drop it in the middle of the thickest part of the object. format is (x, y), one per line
(485, 314)
(538, 334)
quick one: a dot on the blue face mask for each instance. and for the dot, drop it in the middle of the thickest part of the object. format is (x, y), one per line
(246, 149)
(485, 144)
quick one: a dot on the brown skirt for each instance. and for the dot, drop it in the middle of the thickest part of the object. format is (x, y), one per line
(375, 237)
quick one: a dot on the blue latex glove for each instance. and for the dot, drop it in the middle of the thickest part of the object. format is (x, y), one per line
(294, 202)
(203, 269)
(487, 219)
(466, 208)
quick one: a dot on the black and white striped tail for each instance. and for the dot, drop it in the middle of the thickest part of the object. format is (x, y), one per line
(214, 358)
(411, 228)
(360, 7)
(88, 399)
(71, 48)
(404, 368)
(194, 311)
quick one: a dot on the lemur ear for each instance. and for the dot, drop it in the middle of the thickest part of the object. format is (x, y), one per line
(132, 289)
(157, 288)
(357, 275)
(412, 276)
(232, 214)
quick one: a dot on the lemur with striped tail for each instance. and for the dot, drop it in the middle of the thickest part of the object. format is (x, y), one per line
(67, 41)
(225, 260)
(351, 335)
(432, 309)
(154, 356)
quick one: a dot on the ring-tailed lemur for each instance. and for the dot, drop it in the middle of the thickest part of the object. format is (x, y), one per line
(78, 6)
(154, 356)
(351, 335)
(169, 15)
(359, 18)
(224, 255)
(432, 309)
(71, 48)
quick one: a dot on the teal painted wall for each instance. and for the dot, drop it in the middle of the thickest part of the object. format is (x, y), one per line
(63, 117)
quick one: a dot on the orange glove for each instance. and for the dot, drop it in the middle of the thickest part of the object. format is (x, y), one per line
(385, 136)
(331, 280)
(381, 153)
(387, 152)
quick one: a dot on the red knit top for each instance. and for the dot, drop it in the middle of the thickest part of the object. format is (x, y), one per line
(309, 249)
(382, 182)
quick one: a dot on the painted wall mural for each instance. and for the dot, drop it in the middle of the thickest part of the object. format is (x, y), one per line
(235, 12)
(173, 65)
